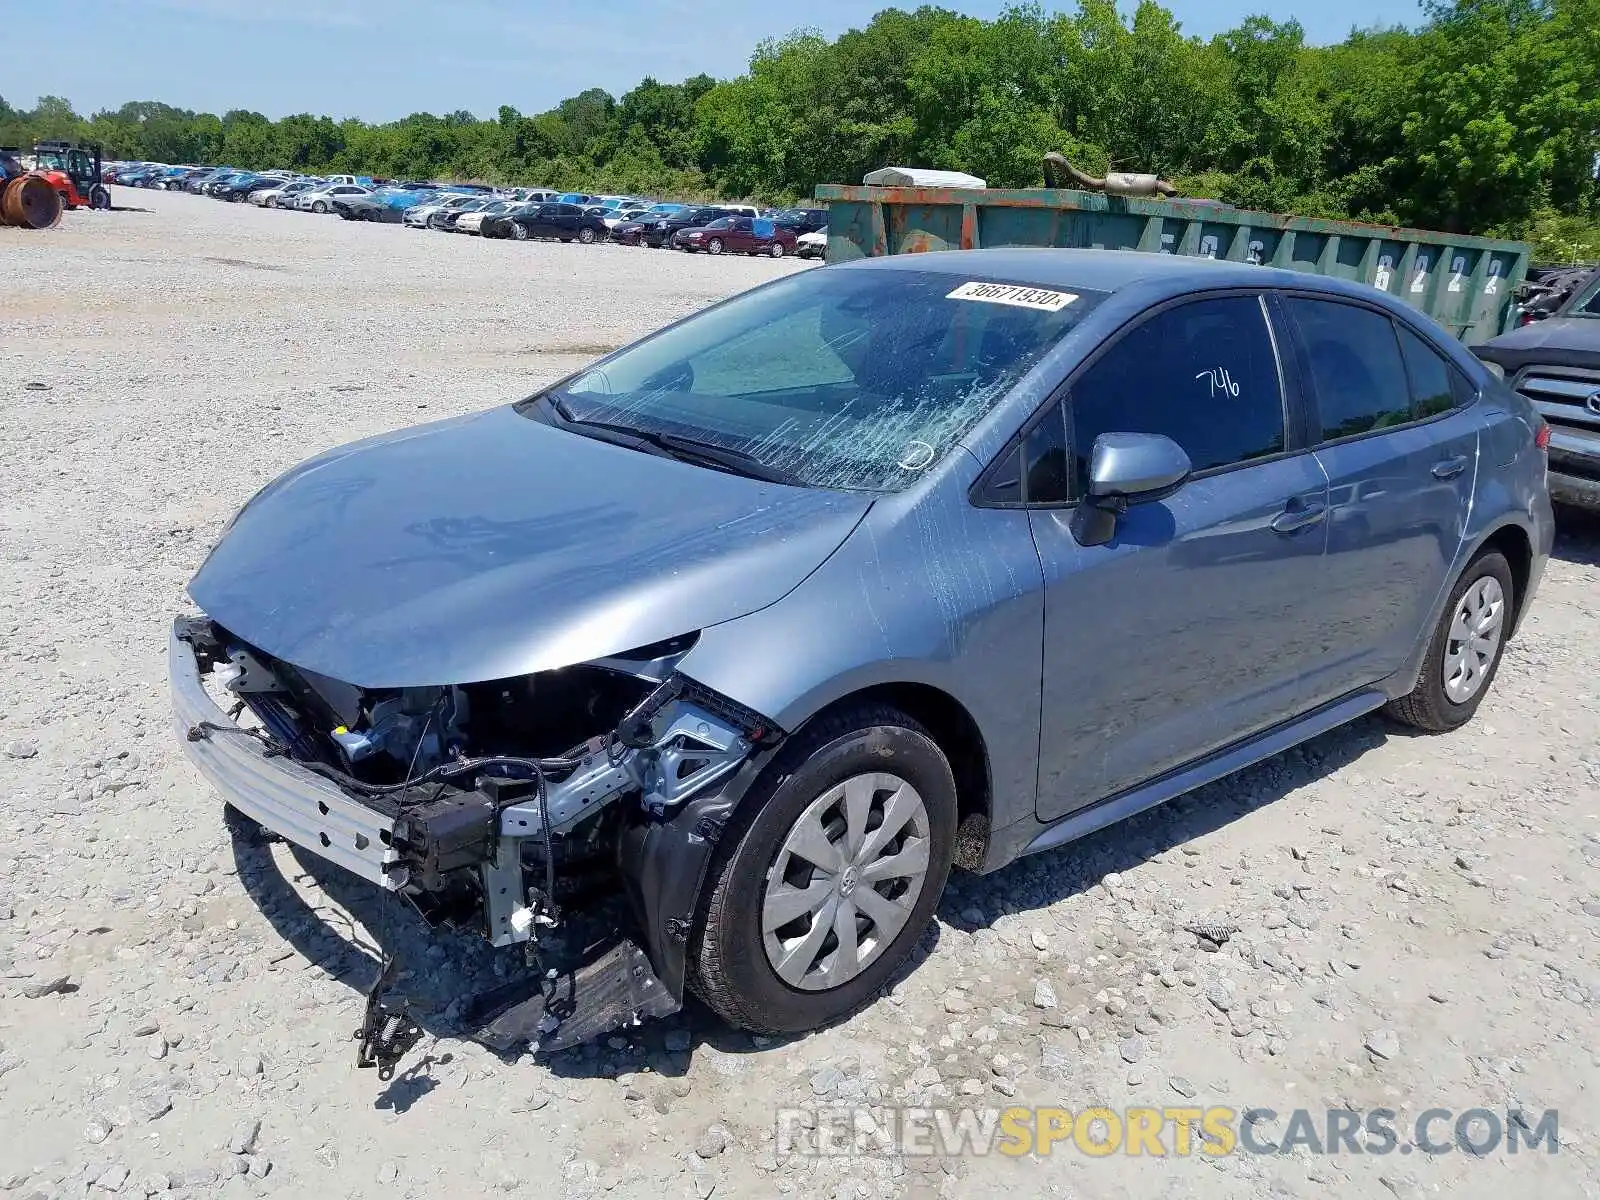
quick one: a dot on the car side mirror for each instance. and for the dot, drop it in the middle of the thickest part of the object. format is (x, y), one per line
(1126, 469)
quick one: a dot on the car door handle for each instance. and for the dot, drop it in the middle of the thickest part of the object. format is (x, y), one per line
(1449, 468)
(1299, 516)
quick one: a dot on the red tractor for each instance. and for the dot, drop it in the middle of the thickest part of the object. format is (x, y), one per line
(74, 171)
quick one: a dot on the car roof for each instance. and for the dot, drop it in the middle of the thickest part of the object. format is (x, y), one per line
(1107, 270)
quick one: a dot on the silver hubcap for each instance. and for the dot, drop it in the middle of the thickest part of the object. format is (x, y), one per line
(845, 881)
(1474, 639)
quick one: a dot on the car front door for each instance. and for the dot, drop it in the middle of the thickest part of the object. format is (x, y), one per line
(542, 221)
(1184, 632)
(1398, 437)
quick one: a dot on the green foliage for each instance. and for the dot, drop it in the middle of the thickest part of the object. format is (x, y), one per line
(1486, 118)
(1565, 238)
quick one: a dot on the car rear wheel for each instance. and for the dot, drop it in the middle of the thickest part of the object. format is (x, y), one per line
(776, 250)
(827, 874)
(586, 236)
(520, 232)
(714, 246)
(1466, 649)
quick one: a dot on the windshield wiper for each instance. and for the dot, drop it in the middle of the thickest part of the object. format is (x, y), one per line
(734, 460)
(685, 449)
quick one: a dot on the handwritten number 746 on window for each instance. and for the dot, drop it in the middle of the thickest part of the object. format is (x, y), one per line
(1221, 381)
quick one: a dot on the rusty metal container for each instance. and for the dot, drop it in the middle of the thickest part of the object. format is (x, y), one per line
(30, 202)
(1465, 283)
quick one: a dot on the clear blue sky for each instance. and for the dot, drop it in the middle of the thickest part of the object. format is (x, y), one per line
(383, 59)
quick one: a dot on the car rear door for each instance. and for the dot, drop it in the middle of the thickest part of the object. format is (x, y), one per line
(1395, 430)
(1184, 633)
(741, 235)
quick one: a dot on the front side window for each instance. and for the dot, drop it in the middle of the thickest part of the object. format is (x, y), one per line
(1203, 374)
(1356, 370)
(1588, 304)
(857, 379)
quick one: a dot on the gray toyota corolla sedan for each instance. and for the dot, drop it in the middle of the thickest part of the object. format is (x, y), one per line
(734, 642)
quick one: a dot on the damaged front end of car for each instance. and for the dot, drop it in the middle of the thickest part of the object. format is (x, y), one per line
(572, 812)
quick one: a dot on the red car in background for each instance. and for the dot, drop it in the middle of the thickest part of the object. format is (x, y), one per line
(737, 235)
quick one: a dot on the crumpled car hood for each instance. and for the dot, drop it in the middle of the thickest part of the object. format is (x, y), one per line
(490, 546)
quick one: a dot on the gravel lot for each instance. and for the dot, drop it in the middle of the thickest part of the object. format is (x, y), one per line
(1417, 918)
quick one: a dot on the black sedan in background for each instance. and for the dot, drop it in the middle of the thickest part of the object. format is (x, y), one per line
(568, 222)
(660, 232)
(801, 220)
(237, 191)
(444, 219)
(365, 208)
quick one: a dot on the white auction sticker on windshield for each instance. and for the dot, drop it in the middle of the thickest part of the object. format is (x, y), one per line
(1014, 294)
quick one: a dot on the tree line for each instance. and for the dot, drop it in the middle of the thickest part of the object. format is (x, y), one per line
(1484, 119)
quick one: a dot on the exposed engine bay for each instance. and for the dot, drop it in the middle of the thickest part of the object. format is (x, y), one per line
(513, 806)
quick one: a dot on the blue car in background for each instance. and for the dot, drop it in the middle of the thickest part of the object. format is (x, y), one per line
(387, 205)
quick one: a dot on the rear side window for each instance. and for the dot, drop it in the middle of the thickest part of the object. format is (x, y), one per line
(1356, 372)
(1204, 374)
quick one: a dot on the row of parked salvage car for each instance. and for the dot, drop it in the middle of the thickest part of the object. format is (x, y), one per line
(713, 229)
(519, 214)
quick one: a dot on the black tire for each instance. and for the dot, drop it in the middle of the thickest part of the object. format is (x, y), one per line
(776, 250)
(318, 206)
(728, 965)
(1427, 706)
(586, 236)
(519, 231)
(99, 197)
(714, 246)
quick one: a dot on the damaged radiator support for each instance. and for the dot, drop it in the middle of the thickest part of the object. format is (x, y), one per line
(611, 982)
(695, 749)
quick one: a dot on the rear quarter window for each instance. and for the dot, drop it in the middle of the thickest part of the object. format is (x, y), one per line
(1434, 382)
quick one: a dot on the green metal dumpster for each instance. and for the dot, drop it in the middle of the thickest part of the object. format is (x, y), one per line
(1464, 283)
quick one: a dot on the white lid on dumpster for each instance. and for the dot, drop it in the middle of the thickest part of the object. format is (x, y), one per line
(920, 177)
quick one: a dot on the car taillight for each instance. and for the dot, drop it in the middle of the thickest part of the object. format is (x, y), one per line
(1541, 436)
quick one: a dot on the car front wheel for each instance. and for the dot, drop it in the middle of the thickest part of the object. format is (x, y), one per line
(317, 206)
(827, 874)
(1465, 651)
(520, 232)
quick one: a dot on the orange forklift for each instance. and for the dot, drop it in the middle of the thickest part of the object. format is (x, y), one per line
(74, 171)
